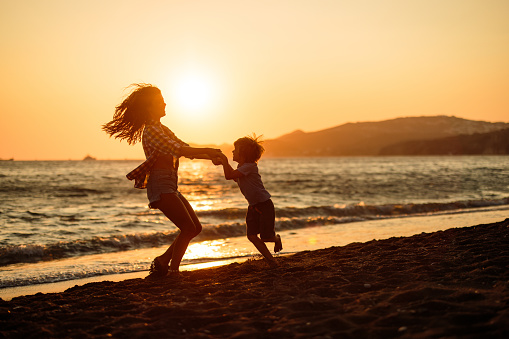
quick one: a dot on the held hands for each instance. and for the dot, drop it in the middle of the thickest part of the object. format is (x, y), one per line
(218, 157)
(223, 158)
(217, 161)
(213, 154)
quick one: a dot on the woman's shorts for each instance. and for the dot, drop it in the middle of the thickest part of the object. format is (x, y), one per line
(260, 219)
(161, 181)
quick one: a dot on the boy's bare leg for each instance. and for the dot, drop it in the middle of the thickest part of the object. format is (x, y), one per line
(262, 248)
(278, 244)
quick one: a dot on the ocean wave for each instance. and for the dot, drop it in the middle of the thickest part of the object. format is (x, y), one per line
(54, 277)
(69, 273)
(287, 219)
(362, 210)
(38, 188)
(77, 192)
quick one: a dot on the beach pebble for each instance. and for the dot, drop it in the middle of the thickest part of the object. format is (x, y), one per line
(367, 285)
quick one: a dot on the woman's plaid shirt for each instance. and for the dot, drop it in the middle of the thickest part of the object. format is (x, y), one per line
(157, 139)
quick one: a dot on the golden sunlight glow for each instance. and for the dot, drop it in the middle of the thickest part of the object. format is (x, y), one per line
(231, 68)
(206, 249)
(206, 265)
(203, 204)
(193, 93)
(199, 174)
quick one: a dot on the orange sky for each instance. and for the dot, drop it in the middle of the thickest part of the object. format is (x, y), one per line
(268, 67)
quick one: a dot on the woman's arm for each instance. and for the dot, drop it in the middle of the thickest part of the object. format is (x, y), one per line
(200, 152)
(163, 139)
(215, 160)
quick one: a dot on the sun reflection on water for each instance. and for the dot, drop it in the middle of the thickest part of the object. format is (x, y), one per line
(202, 183)
(221, 248)
(209, 264)
(207, 249)
(202, 203)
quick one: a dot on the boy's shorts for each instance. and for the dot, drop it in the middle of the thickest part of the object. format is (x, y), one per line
(260, 219)
(160, 181)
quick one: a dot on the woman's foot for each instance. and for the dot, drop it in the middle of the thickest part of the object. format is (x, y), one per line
(278, 244)
(157, 269)
(174, 273)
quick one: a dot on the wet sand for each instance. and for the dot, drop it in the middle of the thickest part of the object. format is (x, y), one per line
(451, 284)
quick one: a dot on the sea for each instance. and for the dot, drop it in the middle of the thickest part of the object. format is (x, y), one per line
(70, 222)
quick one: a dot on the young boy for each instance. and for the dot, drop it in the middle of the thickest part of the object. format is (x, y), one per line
(260, 213)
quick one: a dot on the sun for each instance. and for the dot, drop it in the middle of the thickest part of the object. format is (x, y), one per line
(193, 93)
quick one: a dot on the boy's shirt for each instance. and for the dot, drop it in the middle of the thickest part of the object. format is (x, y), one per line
(251, 184)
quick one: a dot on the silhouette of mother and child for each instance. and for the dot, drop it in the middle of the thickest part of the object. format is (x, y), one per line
(136, 119)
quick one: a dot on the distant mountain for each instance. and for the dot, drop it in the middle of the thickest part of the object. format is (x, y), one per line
(492, 143)
(370, 138)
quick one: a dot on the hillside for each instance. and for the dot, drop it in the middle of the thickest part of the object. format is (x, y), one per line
(492, 143)
(370, 138)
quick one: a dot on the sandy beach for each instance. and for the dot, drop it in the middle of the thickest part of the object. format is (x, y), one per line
(450, 284)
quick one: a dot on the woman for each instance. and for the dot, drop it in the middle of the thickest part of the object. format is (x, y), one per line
(138, 118)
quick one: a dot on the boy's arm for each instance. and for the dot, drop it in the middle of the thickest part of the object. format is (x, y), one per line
(229, 172)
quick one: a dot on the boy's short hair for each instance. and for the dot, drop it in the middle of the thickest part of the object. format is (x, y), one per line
(250, 148)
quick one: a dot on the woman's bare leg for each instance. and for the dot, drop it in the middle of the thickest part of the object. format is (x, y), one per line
(192, 214)
(165, 258)
(175, 208)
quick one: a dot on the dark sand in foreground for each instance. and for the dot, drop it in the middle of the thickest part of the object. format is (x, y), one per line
(451, 284)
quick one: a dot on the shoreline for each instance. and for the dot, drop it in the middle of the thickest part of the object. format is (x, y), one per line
(452, 283)
(315, 238)
(8, 293)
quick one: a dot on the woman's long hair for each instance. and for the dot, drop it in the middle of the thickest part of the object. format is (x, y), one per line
(132, 114)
